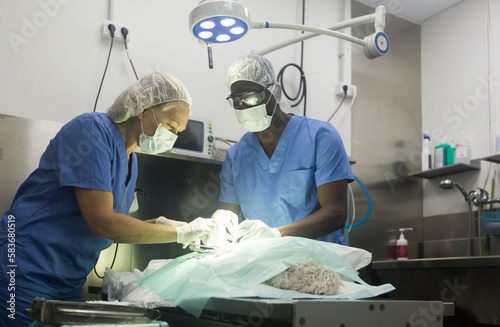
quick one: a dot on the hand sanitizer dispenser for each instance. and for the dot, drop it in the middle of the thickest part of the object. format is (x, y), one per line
(402, 245)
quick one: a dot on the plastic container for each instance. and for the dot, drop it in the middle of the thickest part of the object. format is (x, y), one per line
(441, 155)
(498, 142)
(426, 152)
(402, 245)
(450, 156)
(462, 150)
(491, 221)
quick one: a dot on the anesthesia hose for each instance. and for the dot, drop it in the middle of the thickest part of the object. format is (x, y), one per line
(370, 204)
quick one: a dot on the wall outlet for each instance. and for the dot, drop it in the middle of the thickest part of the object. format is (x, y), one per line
(352, 90)
(118, 34)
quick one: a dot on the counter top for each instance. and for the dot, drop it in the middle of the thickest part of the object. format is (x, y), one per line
(450, 262)
(181, 157)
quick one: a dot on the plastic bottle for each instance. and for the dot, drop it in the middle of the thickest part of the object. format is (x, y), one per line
(462, 150)
(402, 245)
(498, 142)
(426, 152)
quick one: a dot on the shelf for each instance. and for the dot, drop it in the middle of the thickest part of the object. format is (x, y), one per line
(448, 170)
(493, 158)
(451, 262)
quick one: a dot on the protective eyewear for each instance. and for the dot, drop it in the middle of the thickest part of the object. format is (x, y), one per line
(250, 99)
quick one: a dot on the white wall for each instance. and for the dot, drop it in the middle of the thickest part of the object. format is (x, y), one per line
(53, 57)
(458, 63)
(494, 51)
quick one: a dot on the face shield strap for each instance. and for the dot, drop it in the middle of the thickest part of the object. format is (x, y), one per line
(272, 89)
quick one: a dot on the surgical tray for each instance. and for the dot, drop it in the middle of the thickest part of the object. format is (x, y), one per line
(67, 312)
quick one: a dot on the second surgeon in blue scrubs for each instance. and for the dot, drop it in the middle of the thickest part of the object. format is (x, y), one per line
(75, 203)
(288, 175)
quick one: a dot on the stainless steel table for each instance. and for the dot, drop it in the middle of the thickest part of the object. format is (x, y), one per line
(221, 312)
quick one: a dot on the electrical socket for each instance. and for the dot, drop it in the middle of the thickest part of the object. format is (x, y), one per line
(118, 33)
(352, 90)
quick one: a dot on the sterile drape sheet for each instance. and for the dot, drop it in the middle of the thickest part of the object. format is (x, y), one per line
(189, 281)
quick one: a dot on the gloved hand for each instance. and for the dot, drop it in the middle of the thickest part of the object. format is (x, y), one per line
(225, 228)
(255, 230)
(169, 222)
(194, 231)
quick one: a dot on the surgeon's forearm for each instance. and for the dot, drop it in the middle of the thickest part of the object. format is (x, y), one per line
(324, 221)
(229, 206)
(97, 210)
(125, 229)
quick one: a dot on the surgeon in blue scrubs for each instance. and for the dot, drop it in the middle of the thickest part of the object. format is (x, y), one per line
(75, 204)
(288, 175)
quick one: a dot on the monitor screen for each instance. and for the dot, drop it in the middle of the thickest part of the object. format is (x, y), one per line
(192, 137)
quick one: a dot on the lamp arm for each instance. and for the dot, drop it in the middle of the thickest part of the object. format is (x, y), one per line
(378, 18)
(317, 30)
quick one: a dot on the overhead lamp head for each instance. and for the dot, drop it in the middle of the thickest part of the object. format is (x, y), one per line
(377, 44)
(219, 21)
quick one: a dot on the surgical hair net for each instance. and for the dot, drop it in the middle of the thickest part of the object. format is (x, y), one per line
(151, 90)
(255, 69)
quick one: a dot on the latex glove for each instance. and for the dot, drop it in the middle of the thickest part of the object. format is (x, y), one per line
(194, 231)
(255, 230)
(169, 222)
(225, 228)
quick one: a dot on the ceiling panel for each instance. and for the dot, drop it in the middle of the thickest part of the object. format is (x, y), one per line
(416, 11)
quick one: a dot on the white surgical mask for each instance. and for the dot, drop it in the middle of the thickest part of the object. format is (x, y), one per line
(163, 139)
(255, 119)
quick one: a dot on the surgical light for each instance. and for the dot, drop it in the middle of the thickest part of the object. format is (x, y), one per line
(207, 24)
(223, 38)
(237, 30)
(229, 20)
(205, 35)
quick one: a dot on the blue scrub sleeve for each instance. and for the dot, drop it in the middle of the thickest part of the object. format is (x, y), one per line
(84, 156)
(227, 190)
(332, 163)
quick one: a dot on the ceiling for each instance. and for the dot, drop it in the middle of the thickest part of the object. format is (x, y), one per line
(416, 11)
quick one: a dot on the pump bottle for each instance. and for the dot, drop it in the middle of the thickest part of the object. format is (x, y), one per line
(402, 245)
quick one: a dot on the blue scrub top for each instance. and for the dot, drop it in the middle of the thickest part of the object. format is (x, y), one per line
(283, 189)
(54, 248)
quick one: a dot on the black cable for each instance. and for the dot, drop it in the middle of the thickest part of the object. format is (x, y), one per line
(341, 102)
(124, 32)
(112, 263)
(302, 92)
(111, 29)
